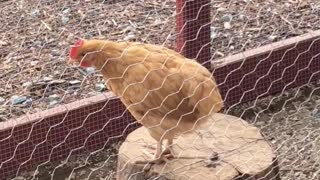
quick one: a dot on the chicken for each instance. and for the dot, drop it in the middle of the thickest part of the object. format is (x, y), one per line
(164, 91)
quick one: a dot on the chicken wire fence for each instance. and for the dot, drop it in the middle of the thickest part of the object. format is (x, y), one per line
(74, 139)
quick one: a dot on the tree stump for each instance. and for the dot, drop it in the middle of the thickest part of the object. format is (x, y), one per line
(241, 153)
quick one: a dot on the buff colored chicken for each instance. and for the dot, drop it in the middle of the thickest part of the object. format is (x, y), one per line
(165, 92)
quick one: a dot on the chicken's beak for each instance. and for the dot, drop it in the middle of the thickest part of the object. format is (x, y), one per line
(71, 61)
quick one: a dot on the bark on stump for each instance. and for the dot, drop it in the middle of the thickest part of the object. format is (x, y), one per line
(243, 153)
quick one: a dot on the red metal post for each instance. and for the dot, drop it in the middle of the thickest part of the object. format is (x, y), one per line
(193, 28)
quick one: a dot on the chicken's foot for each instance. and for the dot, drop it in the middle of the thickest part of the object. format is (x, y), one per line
(159, 156)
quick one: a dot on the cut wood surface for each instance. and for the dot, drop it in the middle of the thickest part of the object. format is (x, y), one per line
(242, 153)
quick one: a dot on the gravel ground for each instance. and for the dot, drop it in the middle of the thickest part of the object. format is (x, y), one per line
(35, 37)
(101, 165)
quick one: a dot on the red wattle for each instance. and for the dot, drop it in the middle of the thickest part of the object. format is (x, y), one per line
(84, 64)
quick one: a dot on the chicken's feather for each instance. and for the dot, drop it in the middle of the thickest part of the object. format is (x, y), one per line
(163, 90)
(159, 85)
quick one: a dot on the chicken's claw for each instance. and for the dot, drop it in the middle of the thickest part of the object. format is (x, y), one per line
(164, 156)
(153, 160)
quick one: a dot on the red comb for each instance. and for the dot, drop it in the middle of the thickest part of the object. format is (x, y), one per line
(74, 48)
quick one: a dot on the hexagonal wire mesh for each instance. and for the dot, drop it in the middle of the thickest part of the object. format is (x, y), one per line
(67, 138)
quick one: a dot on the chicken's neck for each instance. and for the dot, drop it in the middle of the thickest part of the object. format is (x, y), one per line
(112, 75)
(107, 60)
(111, 69)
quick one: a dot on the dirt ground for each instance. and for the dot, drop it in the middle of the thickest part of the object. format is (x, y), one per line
(35, 37)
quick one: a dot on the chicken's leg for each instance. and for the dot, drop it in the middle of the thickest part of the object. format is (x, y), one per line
(158, 157)
(168, 149)
(158, 150)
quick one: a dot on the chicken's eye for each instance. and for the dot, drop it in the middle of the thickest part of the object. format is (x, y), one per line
(82, 54)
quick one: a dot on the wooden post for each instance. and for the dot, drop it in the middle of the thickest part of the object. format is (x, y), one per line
(241, 152)
(193, 28)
